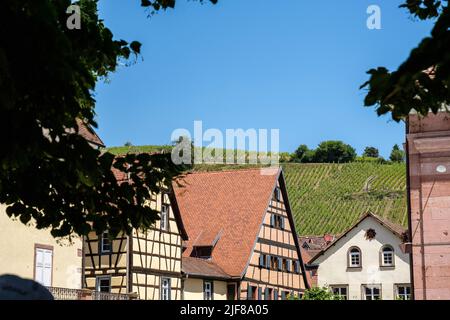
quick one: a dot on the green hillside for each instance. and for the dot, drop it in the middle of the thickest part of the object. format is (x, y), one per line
(329, 198)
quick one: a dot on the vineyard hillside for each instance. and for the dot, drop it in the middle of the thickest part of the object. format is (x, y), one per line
(329, 198)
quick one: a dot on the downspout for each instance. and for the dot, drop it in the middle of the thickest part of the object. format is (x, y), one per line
(408, 204)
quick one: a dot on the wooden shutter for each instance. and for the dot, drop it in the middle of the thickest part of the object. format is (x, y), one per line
(288, 265)
(272, 220)
(282, 222)
(261, 260)
(43, 266)
(280, 264)
(268, 261)
(259, 293)
(275, 295)
(249, 292)
(266, 294)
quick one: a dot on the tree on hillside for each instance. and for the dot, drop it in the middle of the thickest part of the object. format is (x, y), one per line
(334, 151)
(303, 154)
(48, 73)
(422, 82)
(397, 155)
(371, 152)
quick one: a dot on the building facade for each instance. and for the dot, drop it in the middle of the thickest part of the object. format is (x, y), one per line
(428, 152)
(147, 263)
(240, 225)
(366, 262)
(35, 254)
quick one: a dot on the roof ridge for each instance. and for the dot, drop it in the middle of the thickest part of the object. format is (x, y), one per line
(230, 170)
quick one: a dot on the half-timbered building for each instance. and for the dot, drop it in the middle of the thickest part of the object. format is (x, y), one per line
(147, 263)
(242, 240)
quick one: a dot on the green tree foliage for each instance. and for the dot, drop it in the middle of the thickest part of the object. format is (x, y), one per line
(49, 174)
(303, 155)
(371, 152)
(422, 82)
(334, 152)
(319, 293)
(397, 155)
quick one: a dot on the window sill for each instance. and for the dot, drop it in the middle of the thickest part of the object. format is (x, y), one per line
(354, 269)
(387, 267)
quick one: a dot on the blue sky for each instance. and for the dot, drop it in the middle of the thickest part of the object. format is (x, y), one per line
(293, 65)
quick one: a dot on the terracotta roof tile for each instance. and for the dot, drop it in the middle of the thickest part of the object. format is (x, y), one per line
(88, 133)
(228, 206)
(204, 268)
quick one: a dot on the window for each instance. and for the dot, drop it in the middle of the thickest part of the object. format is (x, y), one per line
(103, 284)
(387, 256)
(105, 243)
(164, 223)
(274, 262)
(340, 291)
(208, 290)
(43, 265)
(354, 257)
(262, 261)
(277, 221)
(403, 292)
(165, 288)
(284, 295)
(296, 266)
(277, 194)
(372, 292)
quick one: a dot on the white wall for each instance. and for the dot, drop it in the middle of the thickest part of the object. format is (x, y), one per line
(333, 264)
(193, 289)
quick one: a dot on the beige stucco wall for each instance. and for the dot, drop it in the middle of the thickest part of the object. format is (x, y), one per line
(193, 289)
(333, 264)
(17, 250)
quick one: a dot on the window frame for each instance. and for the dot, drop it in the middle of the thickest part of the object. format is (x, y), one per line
(340, 287)
(349, 258)
(372, 287)
(211, 289)
(35, 262)
(405, 285)
(164, 219)
(163, 287)
(382, 256)
(277, 194)
(102, 243)
(98, 285)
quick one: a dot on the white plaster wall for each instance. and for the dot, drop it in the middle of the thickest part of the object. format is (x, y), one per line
(333, 264)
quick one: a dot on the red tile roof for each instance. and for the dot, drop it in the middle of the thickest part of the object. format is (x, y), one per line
(225, 208)
(195, 267)
(88, 133)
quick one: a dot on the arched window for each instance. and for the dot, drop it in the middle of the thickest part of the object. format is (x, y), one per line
(387, 256)
(354, 257)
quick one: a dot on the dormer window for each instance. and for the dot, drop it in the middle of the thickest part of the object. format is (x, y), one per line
(354, 257)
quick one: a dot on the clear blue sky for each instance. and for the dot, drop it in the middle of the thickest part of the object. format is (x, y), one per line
(295, 65)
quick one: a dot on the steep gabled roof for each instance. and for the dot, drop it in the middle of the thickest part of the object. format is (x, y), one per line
(225, 209)
(88, 133)
(396, 229)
